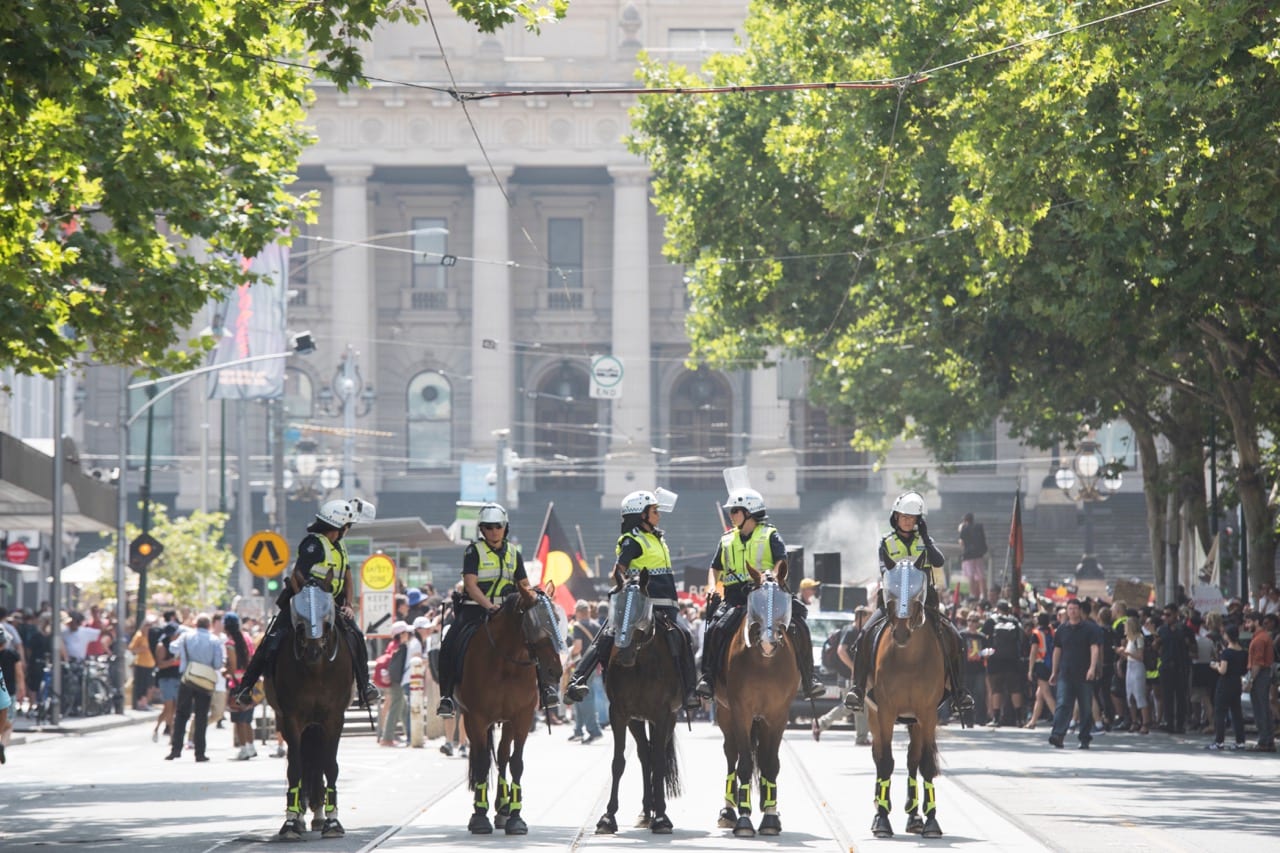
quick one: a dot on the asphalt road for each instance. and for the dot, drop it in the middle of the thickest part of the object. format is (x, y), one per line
(1001, 790)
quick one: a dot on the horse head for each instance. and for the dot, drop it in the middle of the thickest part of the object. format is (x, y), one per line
(634, 619)
(314, 622)
(904, 589)
(768, 615)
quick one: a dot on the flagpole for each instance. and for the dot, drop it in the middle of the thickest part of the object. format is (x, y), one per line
(546, 519)
(582, 546)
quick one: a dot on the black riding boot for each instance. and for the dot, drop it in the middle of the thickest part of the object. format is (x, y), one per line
(710, 660)
(446, 667)
(682, 653)
(360, 663)
(599, 650)
(263, 656)
(810, 686)
(548, 695)
(856, 699)
(953, 651)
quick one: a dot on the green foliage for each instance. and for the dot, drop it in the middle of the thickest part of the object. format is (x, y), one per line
(147, 144)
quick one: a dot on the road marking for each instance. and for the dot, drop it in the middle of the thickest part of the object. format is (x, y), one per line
(413, 815)
(842, 836)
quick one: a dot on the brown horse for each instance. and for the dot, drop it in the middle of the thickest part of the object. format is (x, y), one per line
(500, 685)
(906, 685)
(754, 690)
(643, 683)
(310, 689)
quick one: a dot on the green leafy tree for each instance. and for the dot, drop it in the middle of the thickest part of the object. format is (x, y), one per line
(147, 145)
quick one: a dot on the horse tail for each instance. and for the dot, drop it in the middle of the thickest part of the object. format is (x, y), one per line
(756, 726)
(313, 752)
(672, 779)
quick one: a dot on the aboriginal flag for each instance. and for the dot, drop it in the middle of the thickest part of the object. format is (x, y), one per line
(1016, 545)
(562, 564)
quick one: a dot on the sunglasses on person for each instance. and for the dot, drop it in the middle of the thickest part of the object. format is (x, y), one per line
(490, 525)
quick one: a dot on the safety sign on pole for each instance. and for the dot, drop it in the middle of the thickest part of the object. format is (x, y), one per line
(606, 377)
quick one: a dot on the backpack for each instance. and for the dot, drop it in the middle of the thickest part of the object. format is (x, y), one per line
(154, 634)
(830, 659)
(395, 669)
(382, 666)
(1006, 641)
(1150, 654)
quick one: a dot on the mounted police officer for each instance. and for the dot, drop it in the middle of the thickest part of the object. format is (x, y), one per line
(492, 567)
(642, 546)
(322, 559)
(753, 543)
(909, 540)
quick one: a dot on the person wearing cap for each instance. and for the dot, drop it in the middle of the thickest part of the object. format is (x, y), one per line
(492, 567)
(322, 560)
(641, 547)
(908, 539)
(809, 588)
(396, 710)
(752, 544)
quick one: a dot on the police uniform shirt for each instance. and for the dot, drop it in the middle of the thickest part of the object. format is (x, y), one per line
(777, 552)
(471, 562)
(933, 556)
(660, 585)
(310, 552)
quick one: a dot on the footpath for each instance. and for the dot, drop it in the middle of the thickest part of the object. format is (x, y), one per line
(26, 730)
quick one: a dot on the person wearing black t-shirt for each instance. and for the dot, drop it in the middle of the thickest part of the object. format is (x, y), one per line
(1077, 660)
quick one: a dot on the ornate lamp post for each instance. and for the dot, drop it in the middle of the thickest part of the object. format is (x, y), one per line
(347, 395)
(304, 479)
(1089, 478)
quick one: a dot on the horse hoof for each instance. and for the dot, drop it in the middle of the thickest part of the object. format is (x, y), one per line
(643, 821)
(515, 825)
(881, 828)
(915, 824)
(661, 825)
(292, 830)
(606, 825)
(771, 824)
(932, 829)
(332, 829)
(479, 825)
(743, 828)
(317, 823)
(500, 821)
(728, 818)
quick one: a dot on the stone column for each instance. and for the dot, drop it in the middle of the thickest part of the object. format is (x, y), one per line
(771, 461)
(352, 297)
(492, 347)
(630, 465)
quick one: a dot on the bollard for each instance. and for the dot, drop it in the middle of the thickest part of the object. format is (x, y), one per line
(417, 669)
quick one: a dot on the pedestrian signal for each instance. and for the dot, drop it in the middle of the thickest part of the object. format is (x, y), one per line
(142, 550)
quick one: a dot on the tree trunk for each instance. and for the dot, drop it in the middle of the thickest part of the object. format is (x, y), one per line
(1153, 490)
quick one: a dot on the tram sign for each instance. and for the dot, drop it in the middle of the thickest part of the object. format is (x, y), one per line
(606, 377)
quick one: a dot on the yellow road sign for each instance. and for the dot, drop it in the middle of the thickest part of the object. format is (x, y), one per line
(266, 553)
(378, 572)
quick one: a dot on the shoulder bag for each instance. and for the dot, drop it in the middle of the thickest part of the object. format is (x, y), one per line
(200, 676)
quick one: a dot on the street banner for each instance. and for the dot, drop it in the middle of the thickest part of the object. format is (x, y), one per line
(253, 320)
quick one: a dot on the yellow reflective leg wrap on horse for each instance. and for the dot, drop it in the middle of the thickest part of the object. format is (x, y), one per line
(504, 793)
(293, 800)
(882, 795)
(768, 794)
(515, 797)
(731, 789)
(482, 796)
(330, 800)
(930, 799)
(913, 794)
(744, 798)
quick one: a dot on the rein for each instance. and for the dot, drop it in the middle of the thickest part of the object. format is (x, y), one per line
(494, 645)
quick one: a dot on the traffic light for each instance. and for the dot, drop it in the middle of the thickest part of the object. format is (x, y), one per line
(142, 550)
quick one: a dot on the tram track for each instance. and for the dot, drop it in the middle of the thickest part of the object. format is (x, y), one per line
(839, 832)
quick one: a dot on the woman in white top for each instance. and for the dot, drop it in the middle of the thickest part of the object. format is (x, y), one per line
(1135, 675)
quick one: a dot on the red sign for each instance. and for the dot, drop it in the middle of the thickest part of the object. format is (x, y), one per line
(17, 552)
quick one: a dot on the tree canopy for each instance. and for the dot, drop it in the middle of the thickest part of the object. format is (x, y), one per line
(148, 144)
(1054, 213)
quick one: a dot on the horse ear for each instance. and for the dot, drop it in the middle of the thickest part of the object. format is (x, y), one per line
(550, 589)
(782, 575)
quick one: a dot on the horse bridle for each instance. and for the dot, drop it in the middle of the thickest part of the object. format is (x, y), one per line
(493, 645)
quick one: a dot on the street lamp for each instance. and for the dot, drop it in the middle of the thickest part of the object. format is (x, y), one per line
(347, 396)
(1089, 478)
(305, 479)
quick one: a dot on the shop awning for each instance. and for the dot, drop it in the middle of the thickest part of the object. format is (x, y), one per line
(405, 532)
(26, 491)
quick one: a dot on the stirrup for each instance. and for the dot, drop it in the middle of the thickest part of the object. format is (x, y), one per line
(549, 698)
(445, 708)
(243, 696)
(370, 693)
(961, 701)
(704, 688)
(576, 691)
(691, 702)
(855, 699)
(815, 690)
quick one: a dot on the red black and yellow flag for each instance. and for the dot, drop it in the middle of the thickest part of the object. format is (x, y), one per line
(562, 564)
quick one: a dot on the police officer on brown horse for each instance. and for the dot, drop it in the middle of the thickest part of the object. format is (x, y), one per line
(754, 543)
(491, 567)
(909, 540)
(322, 559)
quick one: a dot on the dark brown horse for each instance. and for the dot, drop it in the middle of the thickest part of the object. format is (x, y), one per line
(754, 690)
(907, 684)
(643, 683)
(310, 689)
(500, 686)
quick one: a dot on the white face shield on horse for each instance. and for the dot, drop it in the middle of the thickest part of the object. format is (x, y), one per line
(635, 614)
(545, 620)
(903, 584)
(768, 615)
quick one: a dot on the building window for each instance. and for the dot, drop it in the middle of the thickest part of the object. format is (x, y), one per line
(430, 408)
(566, 438)
(161, 415)
(564, 251)
(976, 450)
(299, 395)
(829, 461)
(699, 441)
(430, 245)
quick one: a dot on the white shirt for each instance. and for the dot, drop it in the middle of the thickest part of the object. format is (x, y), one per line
(76, 643)
(415, 650)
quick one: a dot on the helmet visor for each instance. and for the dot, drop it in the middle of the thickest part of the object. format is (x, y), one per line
(666, 500)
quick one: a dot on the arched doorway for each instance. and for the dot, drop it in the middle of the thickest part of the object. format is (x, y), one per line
(566, 436)
(698, 438)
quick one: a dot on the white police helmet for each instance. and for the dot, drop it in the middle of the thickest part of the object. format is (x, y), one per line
(909, 503)
(749, 499)
(637, 502)
(336, 513)
(492, 514)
